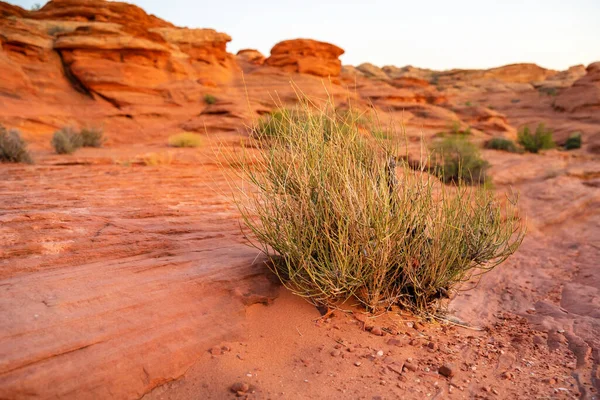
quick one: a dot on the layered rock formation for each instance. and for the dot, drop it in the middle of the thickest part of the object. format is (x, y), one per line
(307, 56)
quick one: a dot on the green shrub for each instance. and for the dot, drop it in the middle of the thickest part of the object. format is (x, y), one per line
(503, 144)
(533, 143)
(185, 139)
(548, 91)
(457, 160)
(66, 141)
(336, 219)
(12, 147)
(210, 99)
(573, 142)
(92, 137)
(468, 104)
(276, 124)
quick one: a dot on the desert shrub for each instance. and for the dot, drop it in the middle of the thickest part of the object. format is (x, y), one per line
(468, 104)
(92, 137)
(336, 219)
(36, 7)
(210, 99)
(12, 147)
(276, 124)
(66, 141)
(533, 143)
(456, 160)
(573, 142)
(548, 91)
(185, 139)
(503, 144)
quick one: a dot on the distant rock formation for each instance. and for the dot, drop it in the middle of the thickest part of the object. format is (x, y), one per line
(307, 56)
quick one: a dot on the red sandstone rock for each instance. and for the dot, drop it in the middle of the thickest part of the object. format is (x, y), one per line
(584, 95)
(252, 56)
(307, 56)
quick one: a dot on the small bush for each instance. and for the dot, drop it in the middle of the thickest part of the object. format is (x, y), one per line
(336, 219)
(92, 137)
(210, 99)
(455, 129)
(573, 142)
(276, 124)
(468, 104)
(533, 143)
(12, 147)
(458, 160)
(185, 139)
(66, 141)
(548, 91)
(503, 144)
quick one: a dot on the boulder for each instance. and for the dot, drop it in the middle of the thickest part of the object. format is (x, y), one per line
(307, 56)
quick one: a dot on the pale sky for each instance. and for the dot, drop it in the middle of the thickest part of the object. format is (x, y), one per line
(437, 34)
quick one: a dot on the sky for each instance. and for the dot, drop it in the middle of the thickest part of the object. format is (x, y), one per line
(436, 34)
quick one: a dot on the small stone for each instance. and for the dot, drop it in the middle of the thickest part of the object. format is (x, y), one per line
(357, 363)
(550, 381)
(242, 387)
(395, 368)
(432, 345)
(410, 367)
(215, 351)
(380, 353)
(377, 331)
(394, 342)
(495, 391)
(506, 375)
(225, 348)
(446, 370)
(335, 353)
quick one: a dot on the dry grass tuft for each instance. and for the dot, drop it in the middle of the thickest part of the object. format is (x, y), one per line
(185, 139)
(338, 217)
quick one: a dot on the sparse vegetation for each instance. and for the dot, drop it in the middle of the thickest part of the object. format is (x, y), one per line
(66, 141)
(468, 104)
(92, 137)
(36, 7)
(12, 147)
(185, 139)
(456, 160)
(573, 142)
(549, 91)
(336, 220)
(210, 99)
(503, 144)
(515, 101)
(533, 143)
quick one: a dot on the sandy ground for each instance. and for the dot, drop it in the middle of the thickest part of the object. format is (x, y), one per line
(135, 273)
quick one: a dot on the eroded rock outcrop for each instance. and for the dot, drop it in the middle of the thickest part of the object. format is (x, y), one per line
(584, 94)
(307, 56)
(251, 55)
